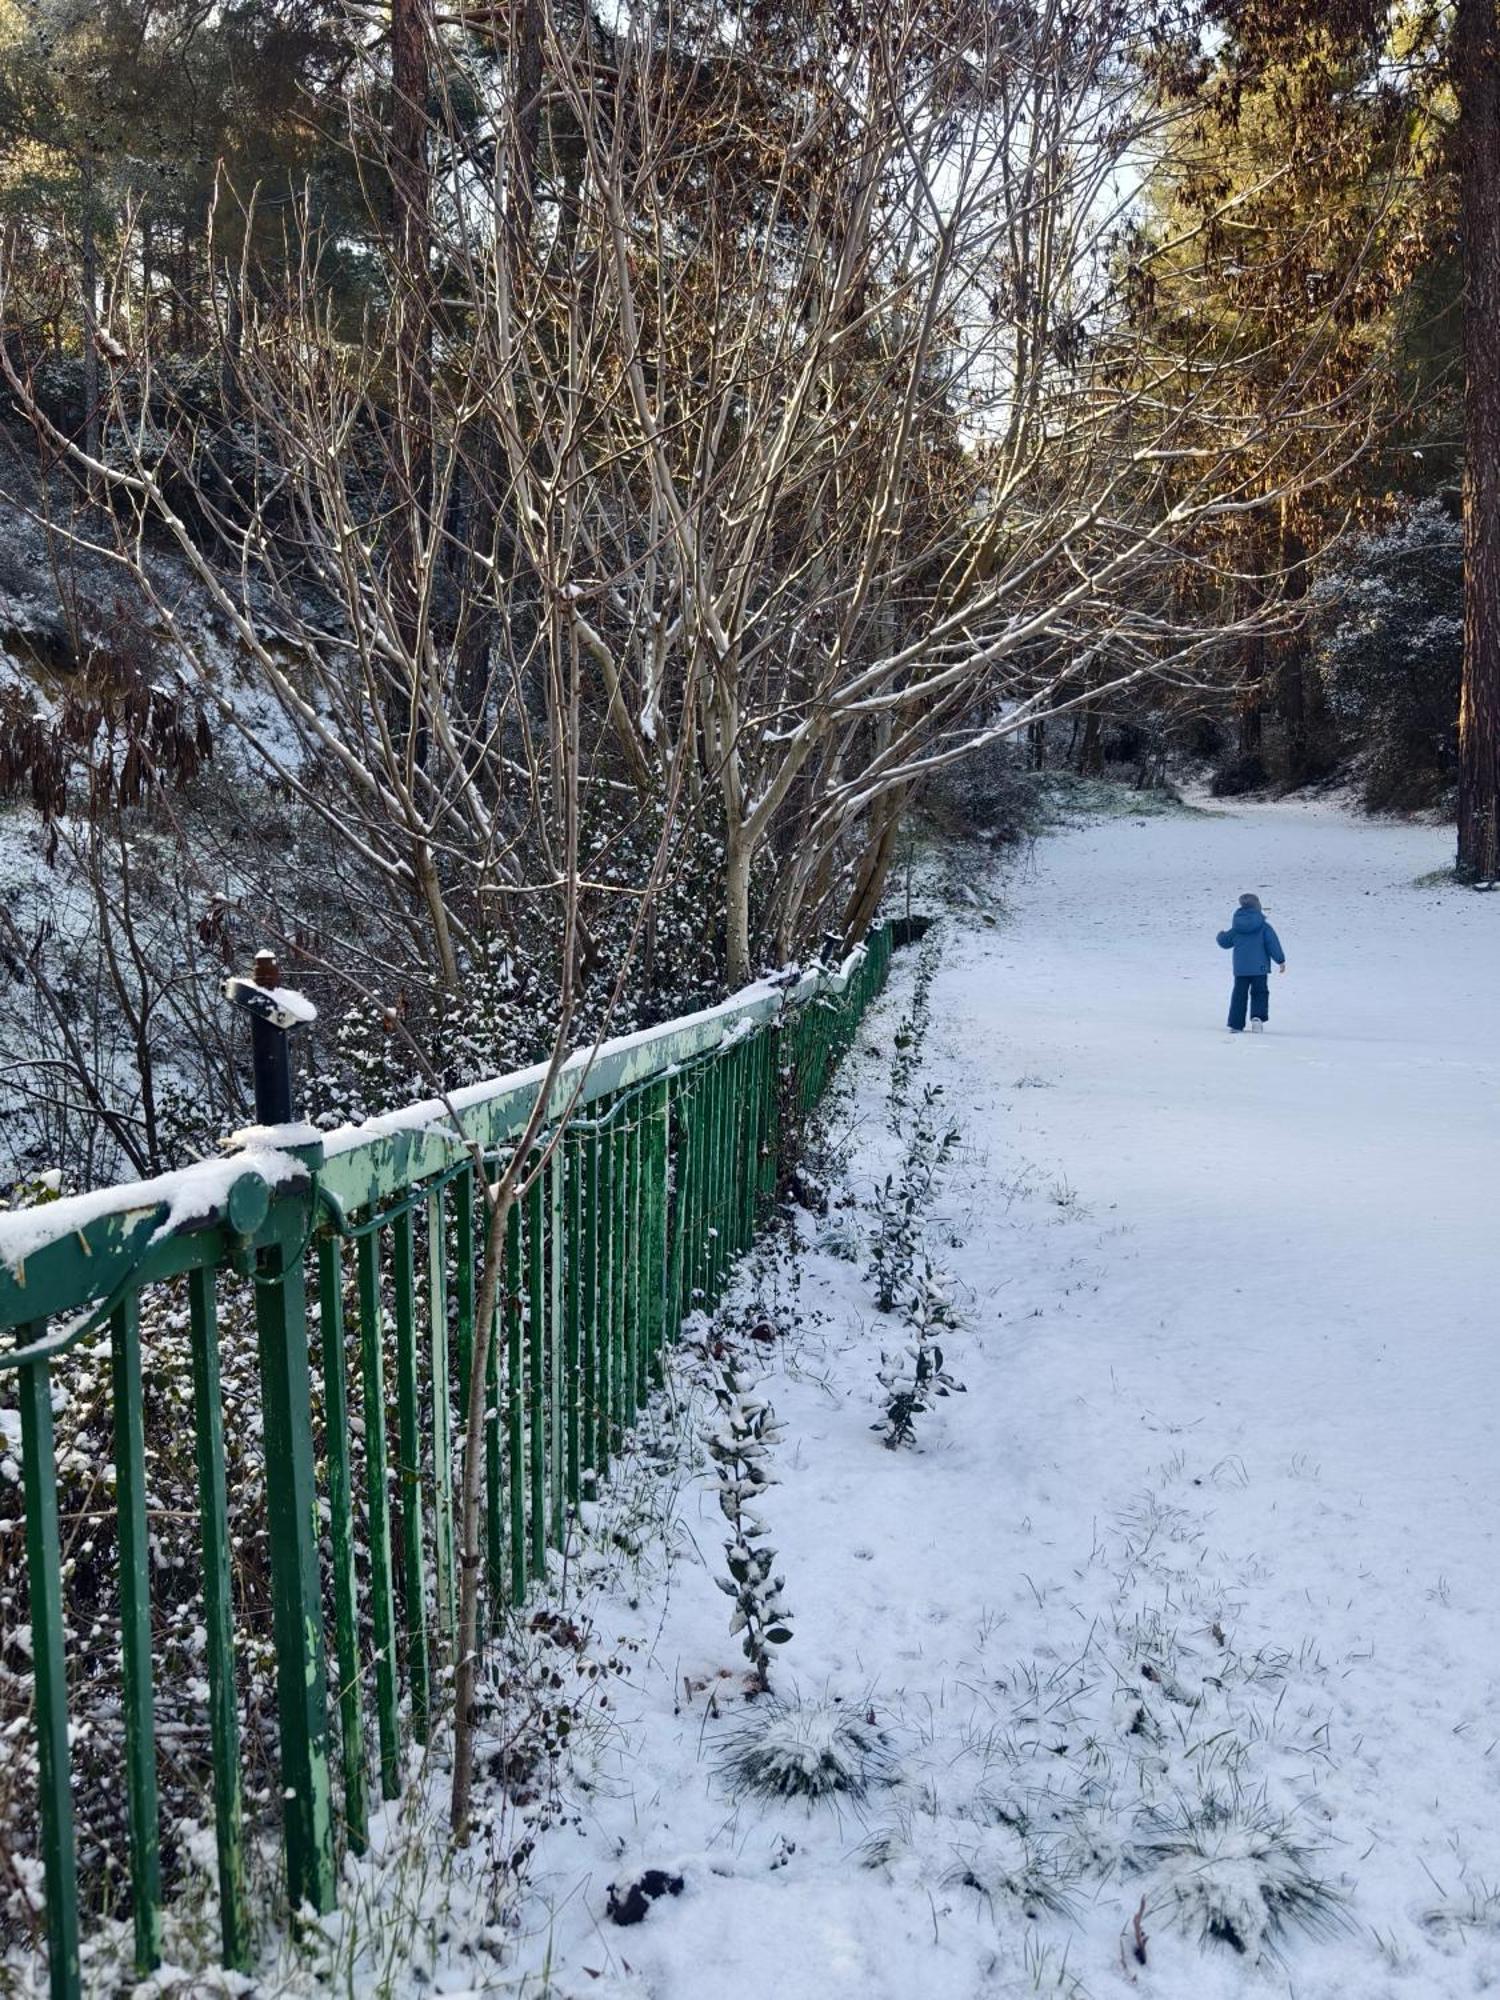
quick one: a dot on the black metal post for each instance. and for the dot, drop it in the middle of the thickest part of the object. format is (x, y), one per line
(270, 1054)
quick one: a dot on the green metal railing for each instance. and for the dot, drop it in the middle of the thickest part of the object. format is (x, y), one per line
(652, 1189)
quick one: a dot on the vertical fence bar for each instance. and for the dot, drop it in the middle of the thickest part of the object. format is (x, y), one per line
(716, 1216)
(218, 1620)
(634, 1264)
(677, 1193)
(604, 1252)
(706, 1191)
(463, 1308)
(463, 1285)
(748, 1140)
(442, 1424)
(291, 1498)
(409, 1438)
(698, 1220)
(723, 1238)
(494, 1459)
(341, 1521)
(658, 1145)
(589, 1303)
(49, 1670)
(767, 1098)
(771, 1153)
(619, 1228)
(742, 1083)
(135, 1631)
(378, 1506)
(573, 1309)
(735, 1151)
(702, 1183)
(536, 1368)
(515, 1405)
(691, 1222)
(557, 1373)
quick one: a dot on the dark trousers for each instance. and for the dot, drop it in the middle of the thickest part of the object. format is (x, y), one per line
(1254, 987)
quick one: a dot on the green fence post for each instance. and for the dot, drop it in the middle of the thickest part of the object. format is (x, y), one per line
(291, 1505)
(718, 1207)
(601, 1251)
(218, 1620)
(634, 1263)
(557, 1373)
(463, 1290)
(378, 1504)
(588, 1331)
(409, 1439)
(442, 1424)
(135, 1631)
(536, 1368)
(573, 1309)
(49, 1672)
(619, 1278)
(494, 1460)
(658, 1151)
(341, 1519)
(515, 1403)
(676, 1204)
(705, 1244)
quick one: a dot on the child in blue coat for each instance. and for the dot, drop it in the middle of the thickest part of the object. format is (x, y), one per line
(1256, 949)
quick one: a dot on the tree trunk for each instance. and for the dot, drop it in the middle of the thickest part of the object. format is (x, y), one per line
(526, 84)
(1476, 75)
(736, 908)
(874, 867)
(234, 341)
(90, 277)
(411, 430)
(1291, 678)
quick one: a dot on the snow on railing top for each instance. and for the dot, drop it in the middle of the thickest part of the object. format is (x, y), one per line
(362, 1162)
(191, 1195)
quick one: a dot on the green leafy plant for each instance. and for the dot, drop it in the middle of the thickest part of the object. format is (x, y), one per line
(739, 1443)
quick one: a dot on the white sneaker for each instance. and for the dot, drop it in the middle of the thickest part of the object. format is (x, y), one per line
(1257, 1027)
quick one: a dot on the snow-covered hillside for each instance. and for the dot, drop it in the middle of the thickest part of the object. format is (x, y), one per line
(1187, 1611)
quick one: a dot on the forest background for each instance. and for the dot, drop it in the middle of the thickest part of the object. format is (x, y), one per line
(524, 508)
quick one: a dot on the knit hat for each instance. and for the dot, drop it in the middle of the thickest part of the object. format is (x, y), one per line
(1249, 901)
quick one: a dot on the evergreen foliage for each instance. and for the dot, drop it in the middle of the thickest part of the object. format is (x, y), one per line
(1389, 646)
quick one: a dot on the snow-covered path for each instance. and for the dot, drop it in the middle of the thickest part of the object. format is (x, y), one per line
(1197, 1586)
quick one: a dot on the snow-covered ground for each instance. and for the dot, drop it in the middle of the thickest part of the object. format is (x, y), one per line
(1191, 1603)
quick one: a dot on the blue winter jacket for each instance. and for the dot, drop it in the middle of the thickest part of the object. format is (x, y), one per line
(1254, 944)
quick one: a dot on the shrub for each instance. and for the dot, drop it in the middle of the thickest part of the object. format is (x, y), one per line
(808, 1750)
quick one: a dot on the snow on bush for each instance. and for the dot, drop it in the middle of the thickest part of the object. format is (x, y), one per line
(808, 1750)
(1236, 1874)
(1008, 1866)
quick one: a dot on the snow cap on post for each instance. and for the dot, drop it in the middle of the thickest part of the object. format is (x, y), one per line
(274, 1012)
(265, 998)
